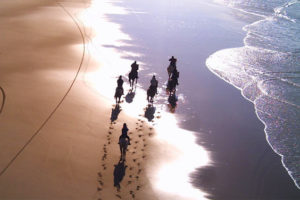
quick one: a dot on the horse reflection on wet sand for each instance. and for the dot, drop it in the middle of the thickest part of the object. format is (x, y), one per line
(129, 96)
(119, 173)
(172, 101)
(149, 112)
(115, 113)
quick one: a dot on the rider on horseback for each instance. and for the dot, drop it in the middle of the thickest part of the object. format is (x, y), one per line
(124, 133)
(135, 68)
(120, 82)
(173, 61)
(154, 83)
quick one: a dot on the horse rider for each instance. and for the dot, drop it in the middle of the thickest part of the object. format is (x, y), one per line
(124, 133)
(134, 67)
(173, 61)
(154, 83)
(120, 82)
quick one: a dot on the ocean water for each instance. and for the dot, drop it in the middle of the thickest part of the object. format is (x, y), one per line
(267, 71)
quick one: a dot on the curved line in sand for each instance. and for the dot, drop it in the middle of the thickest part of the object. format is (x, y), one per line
(3, 99)
(61, 101)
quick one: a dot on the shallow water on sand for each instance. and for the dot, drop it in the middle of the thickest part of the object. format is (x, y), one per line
(151, 32)
(169, 174)
(267, 71)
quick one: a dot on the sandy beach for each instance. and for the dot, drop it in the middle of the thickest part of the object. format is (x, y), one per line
(59, 123)
(244, 166)
(57, 140)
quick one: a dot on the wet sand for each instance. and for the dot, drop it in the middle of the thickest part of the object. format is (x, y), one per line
(53, 93)
(243, 164)
(57, 140)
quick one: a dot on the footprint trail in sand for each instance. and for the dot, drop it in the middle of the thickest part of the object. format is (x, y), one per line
(130, 171)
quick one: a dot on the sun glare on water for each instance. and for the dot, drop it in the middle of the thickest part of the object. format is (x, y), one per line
(171, 177)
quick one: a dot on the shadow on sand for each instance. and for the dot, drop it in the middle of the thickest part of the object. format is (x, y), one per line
(149, 112)
(119, 173)
(115, 113)
(129, 96)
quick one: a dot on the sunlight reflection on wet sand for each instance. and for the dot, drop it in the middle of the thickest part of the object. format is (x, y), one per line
(171, 177)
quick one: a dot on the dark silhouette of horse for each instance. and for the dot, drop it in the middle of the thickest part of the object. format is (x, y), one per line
(119, 173)
(115, 113)
(171, 86)
(133, 77)
(118, 94)
(151, 93)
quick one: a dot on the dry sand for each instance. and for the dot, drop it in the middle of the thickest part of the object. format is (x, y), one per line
(56, 138)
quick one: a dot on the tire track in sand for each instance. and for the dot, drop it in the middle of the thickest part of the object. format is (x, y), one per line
(63, 98)
(3, 99)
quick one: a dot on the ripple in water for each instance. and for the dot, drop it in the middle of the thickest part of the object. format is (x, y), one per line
(267, 71)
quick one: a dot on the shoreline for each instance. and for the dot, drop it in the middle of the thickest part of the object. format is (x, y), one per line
(219, 110)
(76, 154)
(63, 158)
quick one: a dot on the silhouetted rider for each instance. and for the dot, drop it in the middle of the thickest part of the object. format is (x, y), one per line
(154, 83)
(124, 133)
(120, 82)
(173, 61)
(134, 66)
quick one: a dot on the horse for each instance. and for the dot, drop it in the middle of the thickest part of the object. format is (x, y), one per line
(133, 76)
(170, 70)
(151, 93)
(171, 86)
(123, 142)
(118, 94)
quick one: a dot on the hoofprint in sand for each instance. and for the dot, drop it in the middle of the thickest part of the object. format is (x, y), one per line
(57, 140)
(129, 178)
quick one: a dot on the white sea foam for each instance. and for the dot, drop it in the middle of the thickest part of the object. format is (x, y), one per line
(267, 71)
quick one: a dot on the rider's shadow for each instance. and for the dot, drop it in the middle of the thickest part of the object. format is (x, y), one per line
(149, 112)
(129, 96)
(115, 113)
(119, 173)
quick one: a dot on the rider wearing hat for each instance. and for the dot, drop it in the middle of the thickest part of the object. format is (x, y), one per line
(173, 61)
